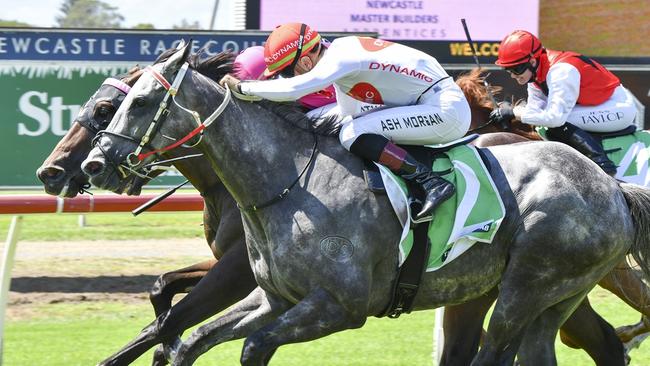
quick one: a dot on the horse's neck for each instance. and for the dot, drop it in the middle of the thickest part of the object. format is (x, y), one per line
(480, 117)
(526, 131)
(255, 153)
(196, 169)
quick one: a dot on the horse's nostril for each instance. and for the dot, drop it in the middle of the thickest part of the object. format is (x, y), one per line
(50, 174)
(93, 168)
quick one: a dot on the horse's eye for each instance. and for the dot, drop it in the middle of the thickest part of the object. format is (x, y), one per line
(102, 112)
(139, 102)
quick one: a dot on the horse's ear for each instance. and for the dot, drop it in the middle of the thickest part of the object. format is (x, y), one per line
(179, 57)
(187, 48)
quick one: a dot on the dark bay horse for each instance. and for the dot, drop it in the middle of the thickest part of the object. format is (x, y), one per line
(584, 329)
(322, 262)
(217, 283)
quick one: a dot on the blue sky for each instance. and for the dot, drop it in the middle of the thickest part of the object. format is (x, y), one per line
(161, 13)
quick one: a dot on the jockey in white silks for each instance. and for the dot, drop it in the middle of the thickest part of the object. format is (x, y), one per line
(567, 92)
(422, 103)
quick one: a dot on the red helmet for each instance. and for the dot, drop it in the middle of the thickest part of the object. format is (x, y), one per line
(281, 48)
(518, 47)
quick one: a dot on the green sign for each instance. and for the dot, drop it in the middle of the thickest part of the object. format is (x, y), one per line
(40, 101)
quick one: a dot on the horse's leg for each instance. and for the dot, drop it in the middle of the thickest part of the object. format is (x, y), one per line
(537, 346)
(463, 328)
(181, 280)
(167, 286)
(587, 330)
(521, 301)
(629, 333)
(624, 282)
(255, 311)
(317, 315)
(229, 281)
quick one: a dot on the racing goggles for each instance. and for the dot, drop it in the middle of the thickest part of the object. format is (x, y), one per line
(518, 69)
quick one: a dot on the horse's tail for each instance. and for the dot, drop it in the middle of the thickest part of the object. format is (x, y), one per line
(638, 201)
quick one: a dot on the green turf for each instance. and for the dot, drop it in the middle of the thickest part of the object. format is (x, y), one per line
(83, 334)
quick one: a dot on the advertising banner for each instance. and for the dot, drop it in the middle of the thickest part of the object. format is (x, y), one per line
(38, 107)
(114, 46)
(432, 20)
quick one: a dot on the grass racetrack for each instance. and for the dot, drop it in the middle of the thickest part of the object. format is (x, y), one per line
(78, 295)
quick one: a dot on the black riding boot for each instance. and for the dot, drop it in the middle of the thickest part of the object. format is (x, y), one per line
(437, 188)
(584, 143)
(377, 148)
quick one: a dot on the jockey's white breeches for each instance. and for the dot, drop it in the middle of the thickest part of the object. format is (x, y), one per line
(441, 115)
(615, 114)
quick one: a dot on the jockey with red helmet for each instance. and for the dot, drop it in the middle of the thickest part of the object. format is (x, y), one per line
(567, 92)
(250, 65)
(424, 105)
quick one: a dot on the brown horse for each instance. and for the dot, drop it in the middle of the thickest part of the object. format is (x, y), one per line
(585, 328)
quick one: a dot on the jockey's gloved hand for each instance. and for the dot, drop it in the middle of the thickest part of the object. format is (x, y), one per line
(234, 84)
(231, 82)
(502, 115)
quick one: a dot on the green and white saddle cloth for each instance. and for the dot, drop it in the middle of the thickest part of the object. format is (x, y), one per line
(630, 153)
(473, 214)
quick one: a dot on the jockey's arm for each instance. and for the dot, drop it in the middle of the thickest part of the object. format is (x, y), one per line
(563, 82)
(330, 68)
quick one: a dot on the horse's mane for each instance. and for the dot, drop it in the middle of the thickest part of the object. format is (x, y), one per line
(294, 113)
(217, 66)
(214, 67)
(475, 91)
(477, 96)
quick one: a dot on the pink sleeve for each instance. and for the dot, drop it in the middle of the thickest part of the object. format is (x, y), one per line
(249, 64)
(319, 98)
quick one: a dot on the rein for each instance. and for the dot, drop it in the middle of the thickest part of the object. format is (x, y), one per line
(486, 124)
(252, 208)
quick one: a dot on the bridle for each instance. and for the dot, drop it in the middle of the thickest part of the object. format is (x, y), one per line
(135, 158)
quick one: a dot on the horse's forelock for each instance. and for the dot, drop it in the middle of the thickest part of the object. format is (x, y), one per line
(132, 76)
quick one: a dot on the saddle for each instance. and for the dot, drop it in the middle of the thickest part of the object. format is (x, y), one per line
(414, 266)
(425, 154)
(600, 136)
(626, 131)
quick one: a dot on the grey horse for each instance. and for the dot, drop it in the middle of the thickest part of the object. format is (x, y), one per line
(324, 253)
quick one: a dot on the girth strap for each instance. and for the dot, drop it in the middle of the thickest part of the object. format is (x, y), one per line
(410, 274)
